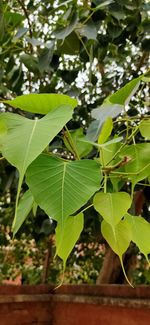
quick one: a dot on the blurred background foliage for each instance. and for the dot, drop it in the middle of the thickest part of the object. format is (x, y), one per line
(86, 49)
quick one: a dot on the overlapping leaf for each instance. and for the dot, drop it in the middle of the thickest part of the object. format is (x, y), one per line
(83, 148)
(140, 233)
(25, 139)
(105, 131)
(112, 206)
(61, 187)
(67, 236)
(24, 207)
(41, 103)
(138, 167)
(145, 128)
(101, 114)
(118, 238)
(124, 94)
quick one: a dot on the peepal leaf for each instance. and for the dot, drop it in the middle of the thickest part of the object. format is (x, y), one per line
(25, 139)
(61, 187)
(112, 206)
(138, 167)
(101, 114)
(145, 128)
(41, 103)
(24, 207)
(105, 131)
(124, 94)
(118, 238)
(140, 233)
(67, 236)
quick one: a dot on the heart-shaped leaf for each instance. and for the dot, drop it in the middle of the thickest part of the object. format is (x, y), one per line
(112, 206)
(25, 139)
(62, 187)
(118, 238)
(67, 236)
(140, 233)
(145, 129)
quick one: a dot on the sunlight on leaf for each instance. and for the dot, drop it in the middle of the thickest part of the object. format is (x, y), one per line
(41, 103)
(112, 206)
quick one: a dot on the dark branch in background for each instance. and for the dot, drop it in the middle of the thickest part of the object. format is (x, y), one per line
(21, 3)
(26, 15)
(142, 61)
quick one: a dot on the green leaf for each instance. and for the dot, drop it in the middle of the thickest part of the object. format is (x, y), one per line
(88, 30)
(64, 32)
(112, 206)
(62, 187)
(45, 58)
(118, 238)
(101, 114)
(124, 94)
(13, 18)
(140, 233)
(41, 103)
(83, 148)
(109, 151)
(105, 131)
(139, 166)
(24, 207)
(106, 110)
(26, 139)
(145, 129)
(71, 45)
(21, 32)
(67, 236)
(31, 62)
(102, 5)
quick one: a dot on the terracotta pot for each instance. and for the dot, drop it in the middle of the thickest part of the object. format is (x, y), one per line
(74, 305)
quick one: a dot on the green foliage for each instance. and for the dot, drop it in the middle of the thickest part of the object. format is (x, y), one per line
(61, 187)
(140, 233)
(41, 103)
(88, 51)
(118, 238)
(112, 206)
(24, 208)
(28, 139)
(67, 236)
(123, 95)
(145, 129)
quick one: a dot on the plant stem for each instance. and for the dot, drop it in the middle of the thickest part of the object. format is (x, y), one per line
(72, 144)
